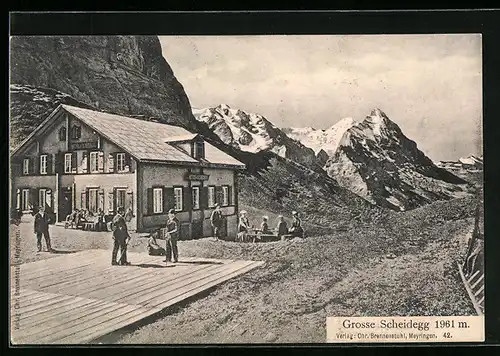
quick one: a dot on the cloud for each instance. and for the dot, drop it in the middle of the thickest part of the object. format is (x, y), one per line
(429, 85)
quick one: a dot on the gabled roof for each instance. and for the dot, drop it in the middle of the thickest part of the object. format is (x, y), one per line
(181, 138)
(145, 140)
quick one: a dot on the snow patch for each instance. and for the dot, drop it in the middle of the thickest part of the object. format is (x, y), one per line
(327, 140)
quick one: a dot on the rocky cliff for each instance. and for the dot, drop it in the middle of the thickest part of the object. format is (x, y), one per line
(122, 74)
(377, 161)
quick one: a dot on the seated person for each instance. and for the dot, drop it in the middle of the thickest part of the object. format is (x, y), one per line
(72, 219)
(264, 227)
(153, 248)
(282, 228)
(296, 229)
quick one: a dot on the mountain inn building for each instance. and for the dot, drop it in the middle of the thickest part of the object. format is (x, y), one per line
(85, 159)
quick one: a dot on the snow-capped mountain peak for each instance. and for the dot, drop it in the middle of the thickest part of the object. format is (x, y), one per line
(318, 139)
(377, 161)
(251, 132)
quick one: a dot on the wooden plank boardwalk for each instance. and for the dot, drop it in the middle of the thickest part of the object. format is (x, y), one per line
(76, 298)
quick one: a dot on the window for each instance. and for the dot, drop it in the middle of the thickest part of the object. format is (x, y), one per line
(82, 157)
(62, 134)
(211, 197)
(76, 132)
(43, 164)
(120, 162)
(225, 195)
(42, 194)
(25, 199)
(178, 198)
(199, 150)
(120, 198)
(67, 162)
(93, 195)
(94, 167)
(196, 197)
(157, 200)
(26, 166)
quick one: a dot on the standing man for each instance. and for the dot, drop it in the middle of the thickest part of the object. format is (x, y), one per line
(120, 237)
(42, 227)
(216, 219)
(171, 237)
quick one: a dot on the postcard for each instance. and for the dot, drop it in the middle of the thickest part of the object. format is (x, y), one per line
(246, 189)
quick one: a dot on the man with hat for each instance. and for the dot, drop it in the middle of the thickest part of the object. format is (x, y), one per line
(296, 228)
(216, 219)
(171, 236)
(42, 227)
(120, 237)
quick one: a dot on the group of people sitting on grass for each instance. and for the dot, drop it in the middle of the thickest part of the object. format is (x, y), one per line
(281, 231)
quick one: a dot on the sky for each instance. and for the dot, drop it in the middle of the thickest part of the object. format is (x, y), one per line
(430, 85)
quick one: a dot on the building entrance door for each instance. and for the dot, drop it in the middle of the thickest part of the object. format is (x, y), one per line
(65, 203)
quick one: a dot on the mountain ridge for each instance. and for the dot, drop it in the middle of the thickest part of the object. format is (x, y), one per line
(378, 162)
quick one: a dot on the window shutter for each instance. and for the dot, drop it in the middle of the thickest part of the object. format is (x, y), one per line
(74, 159)
(100, 162)
(230, 195)
(115, 163)
(168, 199)
(84, 200)
(127, 162)
(111, 202)
(100, 204)
(49, 163)
(203, 197)
(149, 202)
(59, 163)
(33, 168)
(87, 154)
(129, 200)
(18, 199)
(110, 164)
(187, 203)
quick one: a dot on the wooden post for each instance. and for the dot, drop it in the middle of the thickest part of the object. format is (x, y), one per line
(55, 198)
(190, 210)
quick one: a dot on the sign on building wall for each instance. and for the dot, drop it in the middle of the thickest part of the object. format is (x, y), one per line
(197, 177)
(84, 145)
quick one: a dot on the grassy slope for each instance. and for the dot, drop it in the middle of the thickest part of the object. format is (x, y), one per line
(343, 274)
